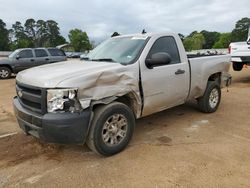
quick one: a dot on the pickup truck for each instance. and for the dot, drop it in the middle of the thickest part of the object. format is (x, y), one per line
(96, 101)
(25, 58)
(240, 54)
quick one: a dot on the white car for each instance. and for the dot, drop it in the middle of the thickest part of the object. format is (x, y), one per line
(240, 54)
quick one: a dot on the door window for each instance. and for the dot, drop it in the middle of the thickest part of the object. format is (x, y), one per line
(41, 53)
(26, 54)
(168, 45)
(56, 52)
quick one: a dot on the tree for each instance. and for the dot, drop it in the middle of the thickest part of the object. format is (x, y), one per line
(181, 36)
(192, 34)
(240, 31)
(210, 38)
(79, 40)
(54, 37)
(224, 41)
(4, 36)
(36, 34)
(194, 42)
(19, 37)
(30, 30)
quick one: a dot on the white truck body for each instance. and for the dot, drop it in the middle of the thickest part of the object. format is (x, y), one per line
(147, 90)
(240, 53)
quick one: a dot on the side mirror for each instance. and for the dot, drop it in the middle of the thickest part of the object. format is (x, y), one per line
(17, 56)
(158, 59)
(248, 40)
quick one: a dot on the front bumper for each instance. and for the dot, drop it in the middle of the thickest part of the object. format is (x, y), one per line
(63, 128)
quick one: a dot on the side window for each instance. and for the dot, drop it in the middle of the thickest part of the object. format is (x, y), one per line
(166, 44)
(26, 54)
(40, 53)
(56, 52)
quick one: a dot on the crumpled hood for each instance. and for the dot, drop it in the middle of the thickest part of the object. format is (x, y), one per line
(94, 80)
(65, 74)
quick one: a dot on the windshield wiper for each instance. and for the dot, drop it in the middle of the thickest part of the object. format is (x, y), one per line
(104, 59)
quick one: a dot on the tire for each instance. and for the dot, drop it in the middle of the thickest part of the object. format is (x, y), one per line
(5, 73)
(210, 101)
(237, 66)
(105, 136)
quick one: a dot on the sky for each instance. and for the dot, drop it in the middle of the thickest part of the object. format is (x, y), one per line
(100, 18)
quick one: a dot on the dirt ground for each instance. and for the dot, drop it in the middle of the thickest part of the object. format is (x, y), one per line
(180, 147)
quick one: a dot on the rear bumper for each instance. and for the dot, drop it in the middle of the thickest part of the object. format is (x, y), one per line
(64, 128)
(241, 59)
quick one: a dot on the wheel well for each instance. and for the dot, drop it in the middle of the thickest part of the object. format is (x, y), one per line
(127, 99)
(215, 77)
(8, 66)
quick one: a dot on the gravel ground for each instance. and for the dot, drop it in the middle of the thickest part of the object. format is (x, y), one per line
(179, 147)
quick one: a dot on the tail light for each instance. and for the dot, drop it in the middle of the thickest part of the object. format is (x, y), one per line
(229, 49)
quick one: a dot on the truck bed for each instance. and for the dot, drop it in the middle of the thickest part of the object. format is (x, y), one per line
(202, 67)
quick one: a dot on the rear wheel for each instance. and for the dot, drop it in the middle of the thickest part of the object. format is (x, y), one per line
(210, 101)
(111, 129)
(237, 66)
(5, 73)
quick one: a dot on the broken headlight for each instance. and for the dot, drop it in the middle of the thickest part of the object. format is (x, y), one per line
(62, 100)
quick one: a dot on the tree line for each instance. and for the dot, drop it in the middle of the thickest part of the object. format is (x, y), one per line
(215, 40)
(40, 33)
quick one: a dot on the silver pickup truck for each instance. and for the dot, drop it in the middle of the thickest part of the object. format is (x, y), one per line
(125, 78)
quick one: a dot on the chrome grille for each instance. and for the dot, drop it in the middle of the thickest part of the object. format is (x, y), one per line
(31, 97)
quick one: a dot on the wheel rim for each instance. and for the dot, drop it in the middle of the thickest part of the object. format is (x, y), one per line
(4, 73)
(214, 98)
(115, 130)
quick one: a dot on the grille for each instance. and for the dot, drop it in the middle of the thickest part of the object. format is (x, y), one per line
(31, 98)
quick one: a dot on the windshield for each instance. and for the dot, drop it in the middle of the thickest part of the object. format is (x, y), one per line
(122, 50)
(13, 54)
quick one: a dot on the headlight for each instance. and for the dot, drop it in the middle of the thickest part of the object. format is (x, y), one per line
(62, 100)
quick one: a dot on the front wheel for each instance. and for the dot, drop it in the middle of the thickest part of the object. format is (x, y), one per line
(237, 66)
(111, 129)
(5, 73)
(210, 101)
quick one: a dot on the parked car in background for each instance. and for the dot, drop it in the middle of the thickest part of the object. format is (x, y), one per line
(22, 59)
(240, 54)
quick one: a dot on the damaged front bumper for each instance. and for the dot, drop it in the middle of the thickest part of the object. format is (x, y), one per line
(63, 128)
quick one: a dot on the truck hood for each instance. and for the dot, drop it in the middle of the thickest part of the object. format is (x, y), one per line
(94, 80)
(61, 74)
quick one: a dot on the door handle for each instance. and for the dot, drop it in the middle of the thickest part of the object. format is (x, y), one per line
(47, 59)
(32, 60)
(180, 71)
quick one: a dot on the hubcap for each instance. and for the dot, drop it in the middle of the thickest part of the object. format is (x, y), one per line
(114, 130)
(4, 73)
(214, 98)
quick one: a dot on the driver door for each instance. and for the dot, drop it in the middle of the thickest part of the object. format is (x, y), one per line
(24, 60)
(164, 86)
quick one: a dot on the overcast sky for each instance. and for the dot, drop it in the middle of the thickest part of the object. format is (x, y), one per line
(100, 18)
